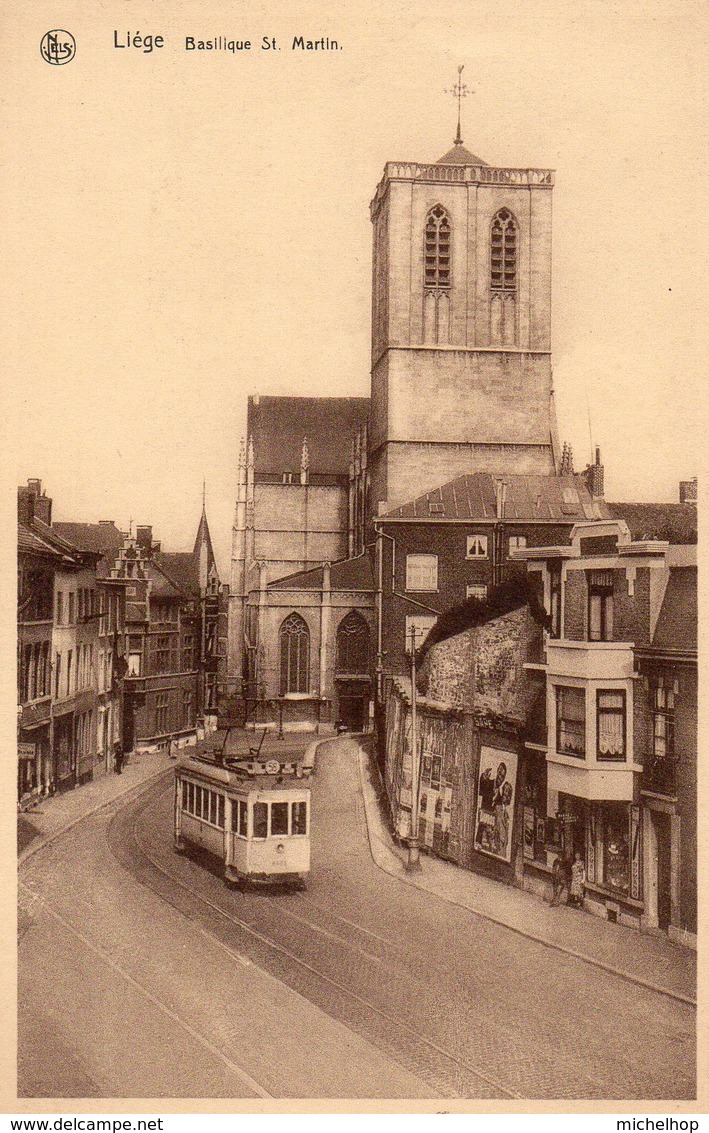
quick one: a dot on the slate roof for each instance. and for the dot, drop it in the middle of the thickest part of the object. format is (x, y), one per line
(29, 543)
(277, 426)
(564, 498)
(181, 572)
(677, 624)
(100, 538)
(50, 539)
(459, 155)
(347, 574)
(677, 523)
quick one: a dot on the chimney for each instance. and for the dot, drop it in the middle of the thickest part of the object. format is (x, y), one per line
(144, 539)
(33, 503)
(688, 491)
(500, 498)
(106, 523)
(593, 476)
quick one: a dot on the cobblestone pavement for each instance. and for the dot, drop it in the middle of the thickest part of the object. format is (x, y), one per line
(462, 1006)
(649, 960)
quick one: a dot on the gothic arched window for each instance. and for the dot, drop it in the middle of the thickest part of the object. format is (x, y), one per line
(437, 261)
(503, 252)
(295, 655)
(353, 645)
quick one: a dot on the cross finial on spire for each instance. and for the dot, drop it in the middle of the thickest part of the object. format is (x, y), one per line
(204, 493)
(459, 91)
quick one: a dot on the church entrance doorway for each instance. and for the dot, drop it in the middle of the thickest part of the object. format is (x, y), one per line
(352, 703)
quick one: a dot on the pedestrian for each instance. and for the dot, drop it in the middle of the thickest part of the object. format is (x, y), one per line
(578, 882)
(558, 880)
(118, 761)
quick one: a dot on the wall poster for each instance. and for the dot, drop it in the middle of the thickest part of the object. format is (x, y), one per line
(495, 805)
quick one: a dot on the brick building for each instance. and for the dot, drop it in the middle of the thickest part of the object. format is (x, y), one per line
(611, 771)
(174, 608)
(459, 541)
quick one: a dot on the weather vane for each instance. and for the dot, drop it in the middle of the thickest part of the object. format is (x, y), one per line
(459, 91)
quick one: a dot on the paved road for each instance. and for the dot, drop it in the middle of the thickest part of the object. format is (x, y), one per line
(359, 987)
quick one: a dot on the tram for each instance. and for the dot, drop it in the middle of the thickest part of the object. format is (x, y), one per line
(251, 813)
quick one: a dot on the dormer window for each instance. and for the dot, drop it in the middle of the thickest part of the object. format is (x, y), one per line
(438, 249)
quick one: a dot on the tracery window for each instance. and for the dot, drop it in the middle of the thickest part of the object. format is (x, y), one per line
(295, 655)
(503, 252)
(438, 249)
(353, 644)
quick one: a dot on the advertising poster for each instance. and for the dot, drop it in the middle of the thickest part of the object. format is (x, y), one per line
(495, 807)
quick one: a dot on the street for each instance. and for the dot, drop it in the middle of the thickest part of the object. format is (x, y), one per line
(142, 975)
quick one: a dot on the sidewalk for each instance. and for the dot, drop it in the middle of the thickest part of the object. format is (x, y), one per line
(54, 815)
(650, 961)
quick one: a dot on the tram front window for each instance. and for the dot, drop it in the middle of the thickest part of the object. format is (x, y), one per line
(298, 818)
(260, 820)
(279, 818)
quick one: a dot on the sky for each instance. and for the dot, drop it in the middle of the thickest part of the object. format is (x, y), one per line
(186, 228)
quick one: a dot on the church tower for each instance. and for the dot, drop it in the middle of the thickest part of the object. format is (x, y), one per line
(461, 313)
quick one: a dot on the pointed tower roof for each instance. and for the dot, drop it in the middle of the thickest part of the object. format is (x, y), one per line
(203, 552)
(459, 155)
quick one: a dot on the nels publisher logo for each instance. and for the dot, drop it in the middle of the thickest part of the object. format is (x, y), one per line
(58, 47)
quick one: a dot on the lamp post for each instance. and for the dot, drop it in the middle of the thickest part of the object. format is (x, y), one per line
(413, 862)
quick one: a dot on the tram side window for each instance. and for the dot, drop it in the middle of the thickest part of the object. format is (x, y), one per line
(299, 818)
(279, 818)
(220, 811)
(238, 817)
(185, 794)
(212, 808)
(190, 798)
(260, 820)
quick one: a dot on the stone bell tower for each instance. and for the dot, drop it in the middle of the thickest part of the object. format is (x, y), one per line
(461, 315)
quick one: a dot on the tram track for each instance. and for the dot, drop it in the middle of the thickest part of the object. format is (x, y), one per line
(448, 1074)
(239, 1072)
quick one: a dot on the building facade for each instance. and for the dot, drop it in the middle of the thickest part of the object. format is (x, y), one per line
(173, 619)
(612, 773)
(459, 542)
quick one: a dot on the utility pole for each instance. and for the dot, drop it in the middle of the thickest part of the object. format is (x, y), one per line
(413, 862)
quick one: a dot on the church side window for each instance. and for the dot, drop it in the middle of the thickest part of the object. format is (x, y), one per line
(353, 644)
(503, 252)
(295, 655)
(438, 248)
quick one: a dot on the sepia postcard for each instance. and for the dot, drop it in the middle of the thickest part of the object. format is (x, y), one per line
(354, 415)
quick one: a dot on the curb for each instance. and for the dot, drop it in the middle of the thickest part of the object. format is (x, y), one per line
(33, 849)
(399, 875)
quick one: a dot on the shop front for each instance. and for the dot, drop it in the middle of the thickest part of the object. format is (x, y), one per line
(33, 752)
(64, 753)
(608, 836)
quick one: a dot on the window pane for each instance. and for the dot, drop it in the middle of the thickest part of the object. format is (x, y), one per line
(298, 818)
(594, 617)
(220, 811)
(260, 820)
(279, 818)
(421, 572)
(571, 721)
